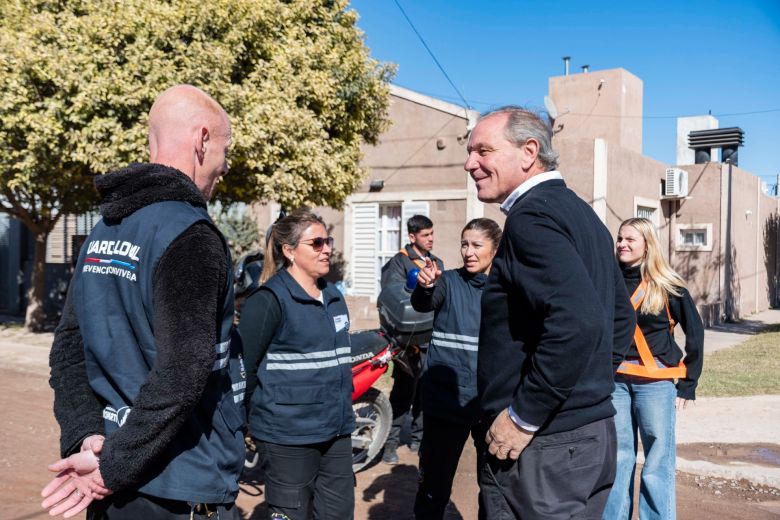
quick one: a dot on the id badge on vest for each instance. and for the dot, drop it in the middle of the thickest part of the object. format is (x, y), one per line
(341, 322)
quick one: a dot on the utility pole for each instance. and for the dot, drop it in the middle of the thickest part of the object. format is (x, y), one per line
(728, 303)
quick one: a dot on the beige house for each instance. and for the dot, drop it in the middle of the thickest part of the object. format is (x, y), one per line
(599, 138)
(416, 168)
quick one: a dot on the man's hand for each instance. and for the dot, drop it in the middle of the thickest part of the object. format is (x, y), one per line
(78, 482)
(428, 274)
(505, 438)
(94, 443)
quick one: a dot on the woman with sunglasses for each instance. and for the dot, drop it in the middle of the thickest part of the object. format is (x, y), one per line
(646, 396)
(297, 352)
(449, 376)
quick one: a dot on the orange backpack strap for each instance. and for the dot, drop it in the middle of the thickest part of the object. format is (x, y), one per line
(647, 366)
(416, 261)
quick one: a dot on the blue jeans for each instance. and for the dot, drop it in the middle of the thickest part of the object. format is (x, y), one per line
(646, 406)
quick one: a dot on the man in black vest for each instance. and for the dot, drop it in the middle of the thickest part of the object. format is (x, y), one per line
(147, 382)
(554, 310)
(405, 392)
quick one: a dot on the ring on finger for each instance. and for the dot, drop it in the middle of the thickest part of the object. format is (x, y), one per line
(79, 493)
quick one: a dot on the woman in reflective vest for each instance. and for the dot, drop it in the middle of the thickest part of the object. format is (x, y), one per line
(449, 377)
(298, 356)
(646, 396)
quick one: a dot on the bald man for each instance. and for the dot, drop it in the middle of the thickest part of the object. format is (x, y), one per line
(147, 382)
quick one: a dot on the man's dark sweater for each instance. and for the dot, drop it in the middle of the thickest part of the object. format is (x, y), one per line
(188, 292)
(554, 309)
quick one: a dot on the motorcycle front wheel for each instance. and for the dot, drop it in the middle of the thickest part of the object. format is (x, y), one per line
(373, 418)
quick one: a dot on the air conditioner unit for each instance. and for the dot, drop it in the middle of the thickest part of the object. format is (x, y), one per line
(676, 186)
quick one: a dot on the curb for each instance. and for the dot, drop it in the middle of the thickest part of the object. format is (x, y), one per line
(756, 475)
(753, 473)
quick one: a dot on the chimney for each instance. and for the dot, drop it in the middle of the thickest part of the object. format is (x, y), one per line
(585, 68)
(566, 65)
(727, 139)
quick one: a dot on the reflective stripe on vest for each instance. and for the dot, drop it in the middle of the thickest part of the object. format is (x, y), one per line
(456, 341)
(309, 360)
(647, 366)
(416, 261)
(223, 355)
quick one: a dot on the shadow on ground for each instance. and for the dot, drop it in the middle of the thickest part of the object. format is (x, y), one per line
(399, 486)
(746, 327)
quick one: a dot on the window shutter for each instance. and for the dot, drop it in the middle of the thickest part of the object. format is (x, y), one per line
(408, 209)
(363, 260)
(56, 242)
(59, 244)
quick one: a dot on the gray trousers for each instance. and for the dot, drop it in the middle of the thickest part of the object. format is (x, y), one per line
(560, 475)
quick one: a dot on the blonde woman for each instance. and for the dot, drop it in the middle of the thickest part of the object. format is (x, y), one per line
(646, 396)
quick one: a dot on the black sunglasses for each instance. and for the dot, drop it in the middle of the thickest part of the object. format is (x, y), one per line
(319, 242)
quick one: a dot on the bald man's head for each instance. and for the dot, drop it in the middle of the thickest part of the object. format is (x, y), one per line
(190, 131)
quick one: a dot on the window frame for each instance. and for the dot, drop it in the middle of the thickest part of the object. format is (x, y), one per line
(382, 256)
(681, 229)
(653, 204)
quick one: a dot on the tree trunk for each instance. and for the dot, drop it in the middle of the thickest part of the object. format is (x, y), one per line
(36, 316)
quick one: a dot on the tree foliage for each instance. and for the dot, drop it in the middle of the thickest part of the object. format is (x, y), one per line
(79, 77)
(239, 228)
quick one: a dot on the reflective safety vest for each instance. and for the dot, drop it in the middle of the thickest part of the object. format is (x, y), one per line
(449, 377)
(416, 261)
(304, 381)
(647, 366)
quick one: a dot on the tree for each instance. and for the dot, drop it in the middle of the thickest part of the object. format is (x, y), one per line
(239, 228)
(79, 77)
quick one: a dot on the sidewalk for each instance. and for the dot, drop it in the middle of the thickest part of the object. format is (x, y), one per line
(729, 334)
(732, 420)
(717, 421)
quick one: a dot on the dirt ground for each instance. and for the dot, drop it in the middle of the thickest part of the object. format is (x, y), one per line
(30, 436)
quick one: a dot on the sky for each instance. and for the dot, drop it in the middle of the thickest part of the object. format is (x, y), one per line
(693, 57)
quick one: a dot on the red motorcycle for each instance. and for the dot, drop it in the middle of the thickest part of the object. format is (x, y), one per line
(402, 328)
(372, 352)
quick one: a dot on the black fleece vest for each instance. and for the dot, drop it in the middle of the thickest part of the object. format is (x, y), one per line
(114, 285)
(449, 378)
(304, 391)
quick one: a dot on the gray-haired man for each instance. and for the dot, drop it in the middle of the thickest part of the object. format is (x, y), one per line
(553, 311)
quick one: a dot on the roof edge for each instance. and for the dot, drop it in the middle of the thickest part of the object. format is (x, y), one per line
(437, 104)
